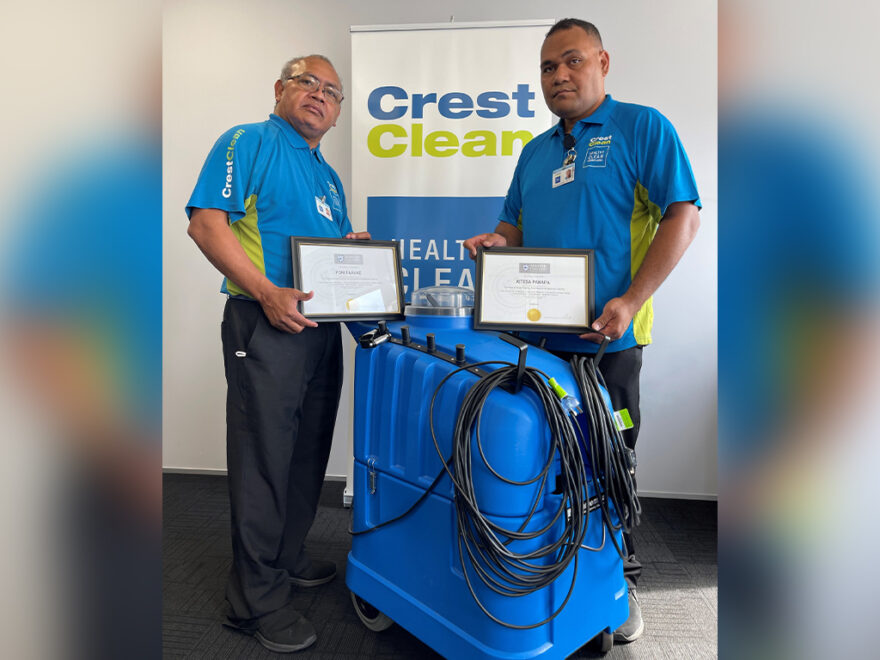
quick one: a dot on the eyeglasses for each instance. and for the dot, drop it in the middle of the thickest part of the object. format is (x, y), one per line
(309, 83)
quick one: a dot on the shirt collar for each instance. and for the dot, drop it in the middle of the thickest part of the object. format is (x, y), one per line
(296, 140)
(599, 116)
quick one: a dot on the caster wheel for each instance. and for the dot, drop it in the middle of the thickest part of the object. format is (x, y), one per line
(601, 643)
(372, 618)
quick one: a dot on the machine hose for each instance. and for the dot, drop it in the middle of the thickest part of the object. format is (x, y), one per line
(485, 543)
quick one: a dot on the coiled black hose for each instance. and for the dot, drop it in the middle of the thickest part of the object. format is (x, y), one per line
(612, 463)
(485, 543)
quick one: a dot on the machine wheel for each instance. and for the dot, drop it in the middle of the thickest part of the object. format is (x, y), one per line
(601, 643)
(372, 618)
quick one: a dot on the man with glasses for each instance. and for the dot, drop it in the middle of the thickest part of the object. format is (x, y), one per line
(261, 184)
(613, 177)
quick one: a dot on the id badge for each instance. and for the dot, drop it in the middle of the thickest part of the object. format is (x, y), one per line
(563, 175)
(323, 208)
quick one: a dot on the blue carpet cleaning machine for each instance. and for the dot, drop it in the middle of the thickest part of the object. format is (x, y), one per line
(491, 489)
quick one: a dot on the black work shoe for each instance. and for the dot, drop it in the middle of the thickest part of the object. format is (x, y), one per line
(633, 627)
(321, 571)
(282, 631)
(285, 631)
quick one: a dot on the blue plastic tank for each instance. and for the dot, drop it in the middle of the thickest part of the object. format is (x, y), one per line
(411, 570)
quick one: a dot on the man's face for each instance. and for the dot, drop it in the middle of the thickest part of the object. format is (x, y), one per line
(573, 70)
(311, 113)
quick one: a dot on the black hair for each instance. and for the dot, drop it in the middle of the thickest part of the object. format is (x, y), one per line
(567, 23)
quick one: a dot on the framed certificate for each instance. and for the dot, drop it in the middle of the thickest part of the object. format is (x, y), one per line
(352, 279)
(534, 289)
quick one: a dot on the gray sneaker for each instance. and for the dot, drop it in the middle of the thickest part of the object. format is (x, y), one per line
(633, 627)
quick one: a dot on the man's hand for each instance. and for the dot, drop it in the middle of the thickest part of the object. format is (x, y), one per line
(279, 305)
(358, 235)
(676, 231)
(484, 240)
(615, 319)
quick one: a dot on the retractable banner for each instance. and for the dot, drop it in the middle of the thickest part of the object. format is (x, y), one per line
(440, 116)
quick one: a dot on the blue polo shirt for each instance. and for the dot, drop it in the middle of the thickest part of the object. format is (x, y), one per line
(269, 181)
(630, 166)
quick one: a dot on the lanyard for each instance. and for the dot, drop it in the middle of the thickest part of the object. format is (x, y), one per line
(570, 153)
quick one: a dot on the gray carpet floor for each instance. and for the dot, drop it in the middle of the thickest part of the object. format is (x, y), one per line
(676, 543)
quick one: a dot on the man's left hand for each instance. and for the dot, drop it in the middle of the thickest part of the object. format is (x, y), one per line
(615, 319)
(358, 235)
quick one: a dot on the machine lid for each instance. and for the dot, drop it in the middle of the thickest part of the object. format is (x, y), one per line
(442, 301)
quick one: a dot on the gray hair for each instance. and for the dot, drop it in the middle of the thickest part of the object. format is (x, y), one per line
(289, 65)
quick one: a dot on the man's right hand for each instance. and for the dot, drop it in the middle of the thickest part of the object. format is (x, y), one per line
(280, 307)
(485, 241)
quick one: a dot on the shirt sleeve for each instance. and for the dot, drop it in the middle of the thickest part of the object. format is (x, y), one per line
(345, 224)
(512, 209)
(225, 176)
(665, 170)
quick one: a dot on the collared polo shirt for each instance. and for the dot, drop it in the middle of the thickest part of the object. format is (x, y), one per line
(630, 166)
(268, 180)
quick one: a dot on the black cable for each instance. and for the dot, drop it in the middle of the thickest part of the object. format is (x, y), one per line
(412, 508)
(610, 459)
(434, 483)
(486, 543)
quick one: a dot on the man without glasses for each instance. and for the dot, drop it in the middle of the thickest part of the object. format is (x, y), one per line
(615, 178)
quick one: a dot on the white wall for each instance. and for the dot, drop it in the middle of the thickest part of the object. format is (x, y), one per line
(220, 62)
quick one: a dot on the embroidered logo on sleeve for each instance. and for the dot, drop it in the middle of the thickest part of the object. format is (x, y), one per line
(230, 162)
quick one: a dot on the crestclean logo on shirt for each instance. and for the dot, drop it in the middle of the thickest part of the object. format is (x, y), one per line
(390, 102)
(230, 153)
(597, 151)
(335, 202)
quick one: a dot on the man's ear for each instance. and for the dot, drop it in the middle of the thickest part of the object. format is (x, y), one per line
(605, 61)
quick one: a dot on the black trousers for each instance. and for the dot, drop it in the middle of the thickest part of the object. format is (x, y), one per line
(621, 371)
(282, 397)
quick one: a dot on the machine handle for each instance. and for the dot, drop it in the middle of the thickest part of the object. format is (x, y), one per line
(375, 336)
(521, 362)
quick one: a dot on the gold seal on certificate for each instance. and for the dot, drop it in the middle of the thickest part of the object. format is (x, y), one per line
(352, 279)
(534, 289)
